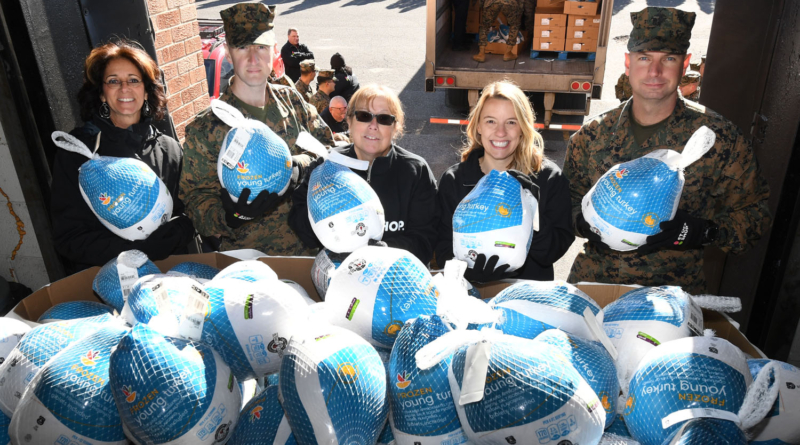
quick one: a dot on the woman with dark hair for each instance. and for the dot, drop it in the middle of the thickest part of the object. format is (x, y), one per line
(346, 82)
(121, 96)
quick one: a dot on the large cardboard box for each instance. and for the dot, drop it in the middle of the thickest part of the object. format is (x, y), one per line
(587, 45)
(548, 44)
(298, 269)
(591, 33)
(582, 22)
(549, 32)
(550, 4)
(549, 17)
(580, 8)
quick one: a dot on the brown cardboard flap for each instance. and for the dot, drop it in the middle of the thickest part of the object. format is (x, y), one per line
(580, 8)
(297, 269)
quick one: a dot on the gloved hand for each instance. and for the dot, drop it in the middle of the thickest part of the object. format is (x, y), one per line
(238, 213)
(169, 237)
(304, 171)
(374, 242)
(585, 231)
(526, 182)
(484, 271)
(682, 232)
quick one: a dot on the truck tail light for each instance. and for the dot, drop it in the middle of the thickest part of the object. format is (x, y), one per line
(445, 81)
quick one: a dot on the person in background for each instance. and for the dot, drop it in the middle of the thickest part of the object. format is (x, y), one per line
(513, 10)
(501, 136)
(623, 88)
(261, 224)
(121, 97)
(690, 85)
(724, 202)
(346, 81)
(326, 83)
(308, 71)
(294, 52)
(402, 180)
(335, 113)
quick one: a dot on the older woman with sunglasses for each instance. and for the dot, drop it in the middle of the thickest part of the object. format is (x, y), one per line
(121, 97)
(402, 180)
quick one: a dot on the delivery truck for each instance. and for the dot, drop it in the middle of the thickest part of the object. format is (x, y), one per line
(561, 60)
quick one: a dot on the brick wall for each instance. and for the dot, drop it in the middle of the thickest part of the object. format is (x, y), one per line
(179, 55)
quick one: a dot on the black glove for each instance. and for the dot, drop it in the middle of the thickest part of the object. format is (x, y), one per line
(526, 182)
(374, 242)
(168, 238)
(484, 271)
(238, 213)
(682, 232)
(585, 231)
(305, 171)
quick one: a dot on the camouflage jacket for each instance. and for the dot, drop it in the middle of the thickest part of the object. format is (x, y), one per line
(725, 186)
(307, 91)
(287, 116)
(320, 101)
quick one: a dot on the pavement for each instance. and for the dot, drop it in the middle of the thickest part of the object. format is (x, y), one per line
(384, 42)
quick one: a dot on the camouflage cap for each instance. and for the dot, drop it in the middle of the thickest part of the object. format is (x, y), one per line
(690, 77)
(249, 24)
(325, 75)
(308, 66)
(661, 29)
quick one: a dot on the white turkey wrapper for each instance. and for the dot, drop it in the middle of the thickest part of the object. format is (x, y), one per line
(629, 201)
(782, 423)
(11, 332)
(345, 213)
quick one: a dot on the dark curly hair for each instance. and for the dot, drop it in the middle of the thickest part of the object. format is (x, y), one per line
(95, 66)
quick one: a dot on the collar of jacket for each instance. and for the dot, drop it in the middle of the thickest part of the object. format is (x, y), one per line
(379, 165)
(472, 168)
(271, 98)
(140, 133)
(679, 122)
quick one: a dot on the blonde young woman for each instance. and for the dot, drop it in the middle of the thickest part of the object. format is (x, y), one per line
(501, 137)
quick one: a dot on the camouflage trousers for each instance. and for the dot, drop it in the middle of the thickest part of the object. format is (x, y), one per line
(491, 9)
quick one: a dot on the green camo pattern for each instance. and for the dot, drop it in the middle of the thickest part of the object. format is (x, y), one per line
(320, 101)
(287, 115)
(247, 23)
(726, 186)
(306, 91)
(661, 29)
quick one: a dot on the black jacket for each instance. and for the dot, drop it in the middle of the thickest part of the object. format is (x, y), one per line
(346, 84)
(555, 233)
(292, 56)
(79, 236)
(405, 185)
(336, 127)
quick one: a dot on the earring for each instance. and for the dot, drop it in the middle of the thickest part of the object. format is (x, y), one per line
(105, 110)
(146, 109)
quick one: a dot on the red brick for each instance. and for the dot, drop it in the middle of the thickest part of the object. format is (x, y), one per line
(156, 6)
(163, 38)
(188, 12)
(198, 75)
(201, 103)
(167, 20)
(170, 70)
(174, 102)
(196, 26)
(190, 94)
(205, 87)
(182, 32)
(175, 4)
(180, 131)
(186, 64)
(173, 52)
(200, 59)
(183, 113)
(178, 84)
(193, 44)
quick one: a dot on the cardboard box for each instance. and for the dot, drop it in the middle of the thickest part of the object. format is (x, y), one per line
(548, 44)
(549, 32)
(550, 4)
(583, 22)
(586, 45)
(580, 8)
(500, 48)
(474, 20)
(591, 33)
(549, 17)
(298, 269)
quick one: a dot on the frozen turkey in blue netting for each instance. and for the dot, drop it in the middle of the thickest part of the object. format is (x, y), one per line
(345, 213)
(631, 199)
(618, 427)
(172, 305)
(705, 431)
(495, 218)
(116, 278)
(250, 324)
(644, 318)
(71, 397)
(387, 436)
(300, 291)
(194, 270)
(252, 156)
(250, 270)
(699, 372)
(333, 387)
(4, 422)
(782, 423)
(422, 409)
(592, 362)
(36, 348)
(531, 395)
(171, 391)
(376, 289)
(325, 263)
(262, 421)
(531, 307)
(11, 332)
(72, 310)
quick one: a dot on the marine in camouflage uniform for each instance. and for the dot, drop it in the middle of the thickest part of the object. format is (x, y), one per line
(320, 100)
(287, 115)
(623, 89)
(283, 80)
(305, 89)
(513, 10)
(691, 78)
(725, 186)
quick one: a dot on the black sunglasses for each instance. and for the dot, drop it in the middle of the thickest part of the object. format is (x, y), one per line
(383, 119)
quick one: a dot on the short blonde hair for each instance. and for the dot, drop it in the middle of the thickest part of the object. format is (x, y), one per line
(365, 95)
(530, 153)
